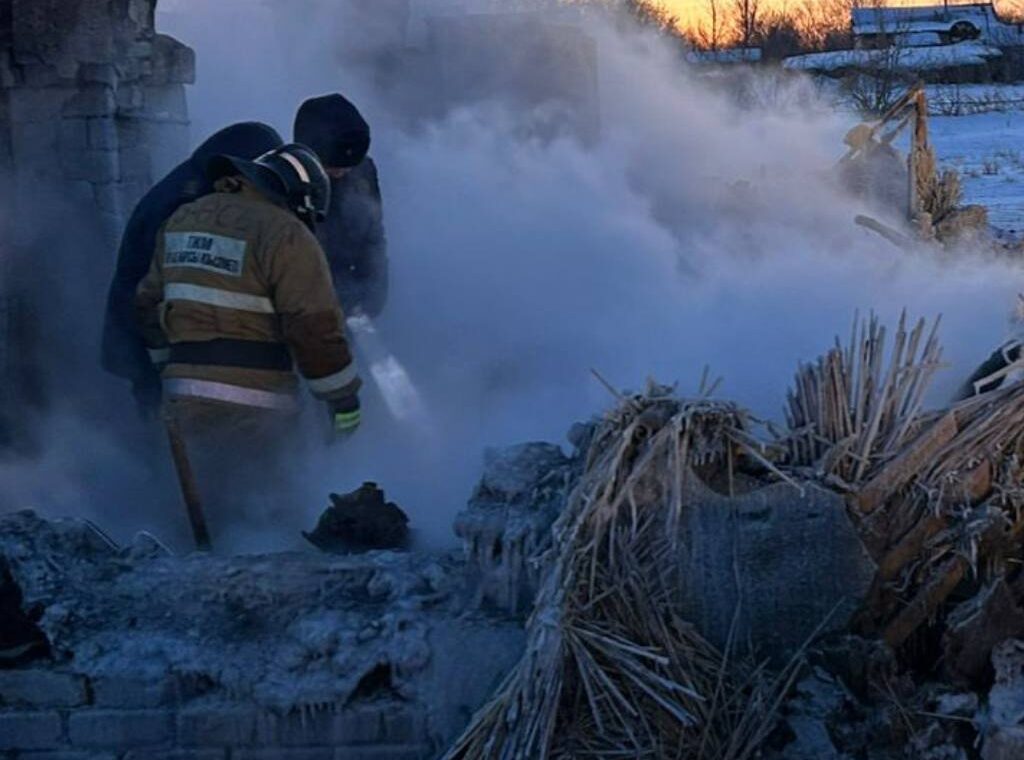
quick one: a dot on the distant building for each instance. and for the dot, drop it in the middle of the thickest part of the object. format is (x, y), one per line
(725, 56)
(939, 24)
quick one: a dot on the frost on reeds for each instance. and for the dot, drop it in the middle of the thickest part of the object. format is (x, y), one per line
(612, 669)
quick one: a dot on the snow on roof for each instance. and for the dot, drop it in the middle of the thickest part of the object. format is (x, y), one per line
(909, 59)
(726, 56)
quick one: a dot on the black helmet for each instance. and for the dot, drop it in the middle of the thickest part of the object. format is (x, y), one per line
(291, 175)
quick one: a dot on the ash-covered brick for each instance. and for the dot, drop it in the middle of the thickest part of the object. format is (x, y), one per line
(41, 688)
(176, 754)
(137, 694)
(364, 725)
(323, 753)
(98, 73)
(405, 726)
(88, 101)
(388, 752)
(91, 165)
(29, 730)
(120, 729)
(74, 134)
(63, 754)
(361, 725)
(204, 727)
(42, 105)
(102, 134)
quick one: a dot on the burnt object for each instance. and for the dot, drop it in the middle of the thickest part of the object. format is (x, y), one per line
(360, 521)
(21, 640)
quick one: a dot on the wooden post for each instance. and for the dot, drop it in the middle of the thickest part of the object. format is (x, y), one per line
(918, 146)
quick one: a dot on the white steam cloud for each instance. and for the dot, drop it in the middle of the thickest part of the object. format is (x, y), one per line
(691, 232)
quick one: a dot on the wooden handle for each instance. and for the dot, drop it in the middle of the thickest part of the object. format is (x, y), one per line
(189, 488)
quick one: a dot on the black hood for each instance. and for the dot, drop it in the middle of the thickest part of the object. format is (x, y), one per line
(248, 140)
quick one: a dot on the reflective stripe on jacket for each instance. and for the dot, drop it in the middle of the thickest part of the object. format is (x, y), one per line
(238, 287)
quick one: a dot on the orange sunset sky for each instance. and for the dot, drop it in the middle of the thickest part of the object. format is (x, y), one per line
(691, 11)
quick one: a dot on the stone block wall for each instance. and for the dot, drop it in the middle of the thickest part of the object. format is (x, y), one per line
(92, 104)
(50, 715)
(92, 111)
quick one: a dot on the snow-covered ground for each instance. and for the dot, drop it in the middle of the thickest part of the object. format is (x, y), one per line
(988, 151)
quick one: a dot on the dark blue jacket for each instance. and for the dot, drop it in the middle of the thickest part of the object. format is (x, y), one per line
(123, 351)
(353, 239)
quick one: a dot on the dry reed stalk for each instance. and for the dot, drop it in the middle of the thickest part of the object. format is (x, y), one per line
(852, 410)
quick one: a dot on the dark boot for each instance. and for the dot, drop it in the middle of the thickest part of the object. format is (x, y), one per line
(21, 640)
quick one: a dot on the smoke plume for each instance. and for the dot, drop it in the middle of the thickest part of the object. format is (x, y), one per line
(684, 230)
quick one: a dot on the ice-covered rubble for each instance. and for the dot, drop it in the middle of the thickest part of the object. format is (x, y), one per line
(306, 631)
(508, 522)
(282, 631)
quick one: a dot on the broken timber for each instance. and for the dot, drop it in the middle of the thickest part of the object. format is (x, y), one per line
(907, 465)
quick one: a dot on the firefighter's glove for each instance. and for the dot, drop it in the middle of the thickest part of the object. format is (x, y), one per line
(345, 416)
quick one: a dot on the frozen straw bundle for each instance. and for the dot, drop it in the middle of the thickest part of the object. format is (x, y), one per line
(612, 669)
(852, 410)
(937, 496)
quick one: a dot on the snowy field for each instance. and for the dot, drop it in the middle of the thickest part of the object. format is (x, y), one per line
(988, 151)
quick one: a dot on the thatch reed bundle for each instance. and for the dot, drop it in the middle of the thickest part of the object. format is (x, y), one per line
(612, 669)
(938, 496)
(855, 408)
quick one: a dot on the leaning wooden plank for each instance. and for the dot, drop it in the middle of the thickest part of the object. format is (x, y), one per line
(927, 602)
(897, 238)
(910, 546)
(904, 467)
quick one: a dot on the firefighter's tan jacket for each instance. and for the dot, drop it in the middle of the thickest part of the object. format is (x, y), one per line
(238, 293)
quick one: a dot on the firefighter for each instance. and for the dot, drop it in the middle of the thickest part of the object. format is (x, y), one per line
(353, 233)
(124, 351)
(239, 293)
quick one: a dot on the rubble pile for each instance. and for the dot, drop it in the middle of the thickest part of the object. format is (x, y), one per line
(300, 650)
(924, 593)
(507, 524)
(936, 496)
(699, 584)
(612, 666)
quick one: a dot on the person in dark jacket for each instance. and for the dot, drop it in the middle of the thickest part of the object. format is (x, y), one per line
(1005, 367)
(123, 350)
(353, 233)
